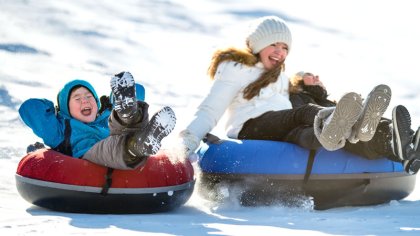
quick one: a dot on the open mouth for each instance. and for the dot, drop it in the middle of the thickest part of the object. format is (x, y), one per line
(86, 111)
(274, 60)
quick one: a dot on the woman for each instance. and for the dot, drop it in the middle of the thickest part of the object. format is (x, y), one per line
(250, 85)
(308, 88)
(393, 138)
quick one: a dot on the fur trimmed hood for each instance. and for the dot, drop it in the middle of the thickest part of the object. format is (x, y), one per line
(243, 56)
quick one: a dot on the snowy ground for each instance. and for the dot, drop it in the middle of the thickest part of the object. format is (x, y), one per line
(167, 45)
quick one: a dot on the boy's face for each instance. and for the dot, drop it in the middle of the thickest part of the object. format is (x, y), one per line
(82, 105)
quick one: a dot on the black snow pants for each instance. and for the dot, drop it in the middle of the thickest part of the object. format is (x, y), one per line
(296, 126)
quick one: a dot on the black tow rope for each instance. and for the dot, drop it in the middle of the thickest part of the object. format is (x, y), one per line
(309, 165)
(108, 181)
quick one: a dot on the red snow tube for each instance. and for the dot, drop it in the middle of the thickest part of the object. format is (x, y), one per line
(58, 182)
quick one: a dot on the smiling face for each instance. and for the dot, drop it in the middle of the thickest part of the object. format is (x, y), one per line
(82, 105)
(273, 55)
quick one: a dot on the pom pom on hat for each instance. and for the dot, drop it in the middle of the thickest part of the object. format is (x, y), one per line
(268, 30)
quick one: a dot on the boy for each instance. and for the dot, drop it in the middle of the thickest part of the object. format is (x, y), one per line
(121, 138)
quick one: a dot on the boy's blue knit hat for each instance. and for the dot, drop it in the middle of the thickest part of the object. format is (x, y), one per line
(64, 95)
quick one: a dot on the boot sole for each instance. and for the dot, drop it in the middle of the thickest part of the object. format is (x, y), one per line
(399, 128)
(124, 91)
(160, 126)
(343, 118)
(374, 107)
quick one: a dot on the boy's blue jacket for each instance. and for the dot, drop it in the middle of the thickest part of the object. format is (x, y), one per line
(40, 115)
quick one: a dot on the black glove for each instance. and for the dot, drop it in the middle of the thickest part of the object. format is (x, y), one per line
(34, 147)
(105, 104)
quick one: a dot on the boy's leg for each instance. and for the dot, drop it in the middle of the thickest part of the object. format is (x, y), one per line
(117, 126)
(129, 148)
(111, 152)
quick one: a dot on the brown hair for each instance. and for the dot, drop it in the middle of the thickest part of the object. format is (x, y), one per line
(267, 77)
(246, 57)
(296, 82)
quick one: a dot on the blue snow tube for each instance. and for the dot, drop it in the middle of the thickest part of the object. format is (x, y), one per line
(270, 172)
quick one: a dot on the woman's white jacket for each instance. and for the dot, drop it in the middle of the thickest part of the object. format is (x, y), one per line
(226, 95)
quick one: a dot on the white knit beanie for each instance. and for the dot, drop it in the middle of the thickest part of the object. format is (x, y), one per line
(268, 30)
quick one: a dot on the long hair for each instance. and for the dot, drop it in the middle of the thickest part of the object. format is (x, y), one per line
(246, 57)
(266, 78)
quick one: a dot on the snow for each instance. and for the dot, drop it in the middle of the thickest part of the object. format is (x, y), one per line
(167, 45)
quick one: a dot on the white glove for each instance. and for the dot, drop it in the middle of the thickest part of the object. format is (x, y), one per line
(189, 141)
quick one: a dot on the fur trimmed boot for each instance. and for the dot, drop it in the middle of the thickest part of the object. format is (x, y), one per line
(333, 126)
(374, 107)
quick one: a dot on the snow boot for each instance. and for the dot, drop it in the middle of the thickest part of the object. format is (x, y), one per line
(401, 133)
(124, 91)
(382, 142)
(416, 140)
(412, 166)
(374, 107)
(147, 142)
(333, 130)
